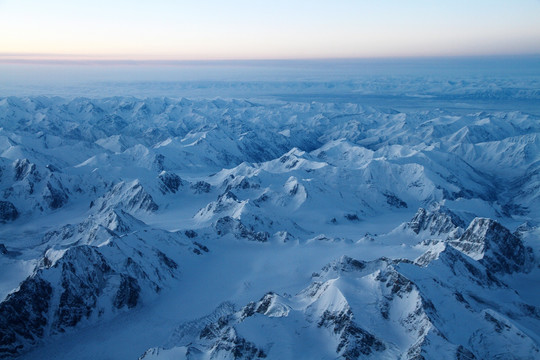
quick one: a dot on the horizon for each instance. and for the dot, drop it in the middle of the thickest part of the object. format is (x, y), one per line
(68, 59)
(256, 78)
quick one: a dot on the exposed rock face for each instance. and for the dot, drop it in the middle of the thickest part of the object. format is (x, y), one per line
(395, 201)
(24, 168)
(466, 268)
(201, 187)
(226, 202)
(84, 282)
(78, 285)
(436, 223)
(55, 196)
(228, 225)
(357, 164)
(84, 275)
(170, 182)
(354, 342)
(128, 293)
(522, 229)
(24, 316)
(225, 342)
(404, 313)
(494, 246)
(129, 197)
(8, 212)
(36, 186)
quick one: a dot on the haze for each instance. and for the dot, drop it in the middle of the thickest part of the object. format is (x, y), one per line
(241, 29)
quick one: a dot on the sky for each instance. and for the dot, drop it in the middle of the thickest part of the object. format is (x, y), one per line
(255, 29)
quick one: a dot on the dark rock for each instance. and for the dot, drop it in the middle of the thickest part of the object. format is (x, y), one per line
(463, 266)
(494, 246)
(435, 222)
(128, 293)
(245, 184)
(82, 279)
(523, 228)
(201, 246)
(24, 168)
(228, 195)
(497, 324)
(227, 224)
(170, 182)
(265, 302)
(399, 284)
(226, 340)
(54, 197)
(23, 316)
(459, 297)
(513, 209)
(394, 201)
(345, 264)
(350, 217)
(159, 161)
(201, 187)
(141, 200)
(354, 341)
(8, 212)
(464, 354)
(170, 263)
(248, 310)
(84, 274)
(263, 198)
(294, 190)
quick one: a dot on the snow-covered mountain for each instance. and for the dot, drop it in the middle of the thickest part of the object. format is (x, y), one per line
(211, 219)
(382, 309)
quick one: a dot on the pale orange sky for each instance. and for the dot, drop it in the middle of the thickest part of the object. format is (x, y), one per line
(241, 29)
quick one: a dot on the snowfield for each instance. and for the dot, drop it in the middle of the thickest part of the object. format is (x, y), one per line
(275, 228)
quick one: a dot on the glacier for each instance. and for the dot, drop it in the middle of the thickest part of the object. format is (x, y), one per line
(382, 219)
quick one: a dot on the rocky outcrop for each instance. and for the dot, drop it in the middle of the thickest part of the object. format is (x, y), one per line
(394, 201)
(131, 197)
(201, 187)
(84, 274)
(38, 187)
(23, 169)
(24, 316)
(438, 223)
(93, 270)
(8, 212)
(170, 182)
(354, 342)
(369, 310)
(226, 343)
(228, 225)
(128, 293)
(55, 196)
(494, 246)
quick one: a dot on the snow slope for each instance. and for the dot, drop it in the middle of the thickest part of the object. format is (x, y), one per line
(175, 228)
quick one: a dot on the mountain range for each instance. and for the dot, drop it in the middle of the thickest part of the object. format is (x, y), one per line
(165, 228)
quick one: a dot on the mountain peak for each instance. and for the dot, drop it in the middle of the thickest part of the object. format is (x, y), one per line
(495, 246)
